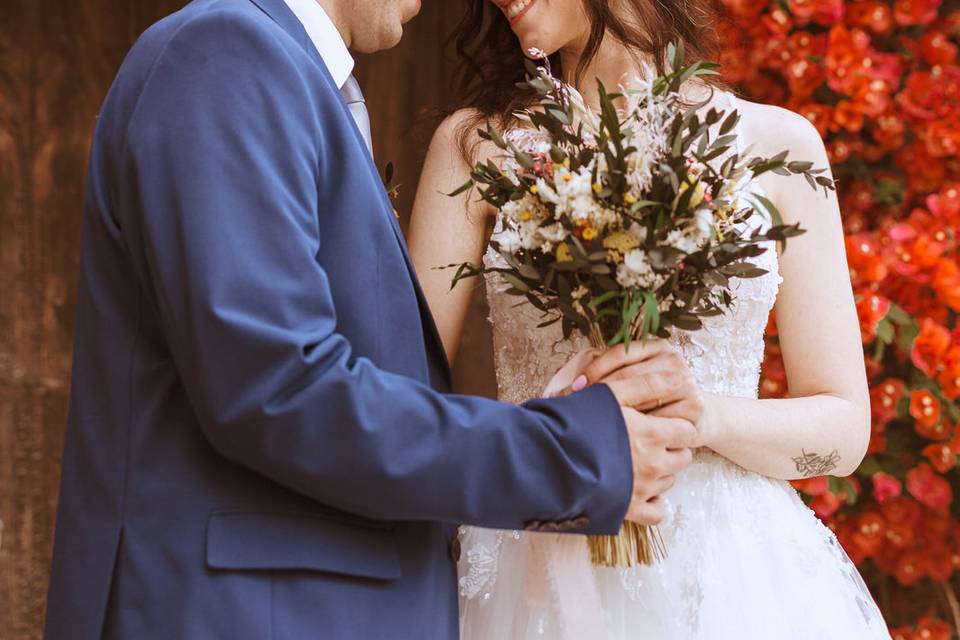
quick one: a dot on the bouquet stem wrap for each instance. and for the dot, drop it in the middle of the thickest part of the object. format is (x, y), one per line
(636, 544)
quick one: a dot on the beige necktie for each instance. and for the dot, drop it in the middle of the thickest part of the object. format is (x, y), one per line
(358, 109)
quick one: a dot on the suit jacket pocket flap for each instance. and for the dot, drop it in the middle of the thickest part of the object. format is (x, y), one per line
(282, 541)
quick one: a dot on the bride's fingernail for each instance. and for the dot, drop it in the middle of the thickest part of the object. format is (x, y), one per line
(579, 383)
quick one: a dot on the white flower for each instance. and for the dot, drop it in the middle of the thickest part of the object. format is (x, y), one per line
(509, 241)
(553, 234)
(635, 271)
(678, 240)
(525, 209)
(582, 113)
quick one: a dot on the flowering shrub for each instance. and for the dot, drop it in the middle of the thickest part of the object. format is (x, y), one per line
(881, 82)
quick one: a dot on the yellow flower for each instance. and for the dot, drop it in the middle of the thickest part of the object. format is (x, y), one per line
(597, 187)
(563, 254)
(533, 188)
(619, 243)
(567, 177)
(526, 215)
(629, 198)
(589, 233)
(622, 241)
(698, 191)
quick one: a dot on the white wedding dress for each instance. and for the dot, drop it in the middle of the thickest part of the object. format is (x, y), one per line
(746, 559)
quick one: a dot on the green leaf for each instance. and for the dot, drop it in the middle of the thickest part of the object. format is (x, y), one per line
(466, 186)
(885, 331)
(516, 282)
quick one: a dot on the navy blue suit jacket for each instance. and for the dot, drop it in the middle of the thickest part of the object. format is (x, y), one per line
(262, 442)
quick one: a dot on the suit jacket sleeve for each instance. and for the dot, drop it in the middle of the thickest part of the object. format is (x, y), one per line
(221, 159)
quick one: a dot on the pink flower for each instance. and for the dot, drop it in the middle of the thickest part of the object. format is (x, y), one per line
(885, 487)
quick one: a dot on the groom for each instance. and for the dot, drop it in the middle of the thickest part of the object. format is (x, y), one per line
(262, 442)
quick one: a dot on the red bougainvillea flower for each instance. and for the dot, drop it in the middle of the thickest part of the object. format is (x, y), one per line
(942, 138)
(909, 568)
(885, 487)
(946, 283)
(915, 12)
(930, 347)
(803, 77)
(877, 444)
(777, 21)
(941, 456)
(945, 205)
(920, 95)
(869, 533)
(746, 9)
(812, 486)
(873, 16)
(846, 51)
(900, 535)
(888, 130)
(826, 504)
(884, 398)
(903, 510)
(871, 309)
(933, 629)
(923, 171)
(821, 115)
(949, 378)
(824, 12)
(865, 259)
(939, 561)
(936, 48)
(925, 409)
(847, 115)
(928, 487)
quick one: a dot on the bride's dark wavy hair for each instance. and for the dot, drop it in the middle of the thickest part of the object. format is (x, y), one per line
(490, 60)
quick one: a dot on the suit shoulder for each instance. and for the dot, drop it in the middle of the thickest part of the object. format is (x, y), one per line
(225, 49)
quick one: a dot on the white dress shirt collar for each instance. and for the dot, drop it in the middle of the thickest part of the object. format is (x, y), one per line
(325, 38)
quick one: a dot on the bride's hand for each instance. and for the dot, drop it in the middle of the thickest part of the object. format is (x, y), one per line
(652, 378)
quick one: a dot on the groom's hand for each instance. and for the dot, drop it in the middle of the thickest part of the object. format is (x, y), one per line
(647, 377)
(660, 450)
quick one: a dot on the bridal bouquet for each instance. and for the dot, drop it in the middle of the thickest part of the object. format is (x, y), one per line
(629, 222)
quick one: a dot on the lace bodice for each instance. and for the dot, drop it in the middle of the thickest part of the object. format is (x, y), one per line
(746, 559)
(725, 356)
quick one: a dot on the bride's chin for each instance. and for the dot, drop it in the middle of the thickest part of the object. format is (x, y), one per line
(530, 41)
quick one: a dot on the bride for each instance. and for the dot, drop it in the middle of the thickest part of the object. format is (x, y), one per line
(745, 558)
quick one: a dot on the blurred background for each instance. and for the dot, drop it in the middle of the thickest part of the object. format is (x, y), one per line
(880, 80)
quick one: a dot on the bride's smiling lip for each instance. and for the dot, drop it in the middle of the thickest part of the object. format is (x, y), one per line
(515, 9)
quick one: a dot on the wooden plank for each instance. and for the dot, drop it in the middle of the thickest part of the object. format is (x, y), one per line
(56, 63)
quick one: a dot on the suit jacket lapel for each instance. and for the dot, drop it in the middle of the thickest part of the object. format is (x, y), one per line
(280, 13)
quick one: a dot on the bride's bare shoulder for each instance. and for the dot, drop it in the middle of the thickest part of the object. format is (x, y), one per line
(457, 136)
(772, 129)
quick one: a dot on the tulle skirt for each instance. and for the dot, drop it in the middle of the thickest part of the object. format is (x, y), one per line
(746, 560)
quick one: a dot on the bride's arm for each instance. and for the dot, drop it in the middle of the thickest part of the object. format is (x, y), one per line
(446, 230)
(823, 427)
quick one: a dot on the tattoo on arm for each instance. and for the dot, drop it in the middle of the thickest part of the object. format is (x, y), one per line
(813, 464)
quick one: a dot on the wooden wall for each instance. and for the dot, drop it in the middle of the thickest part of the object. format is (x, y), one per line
(57, 58)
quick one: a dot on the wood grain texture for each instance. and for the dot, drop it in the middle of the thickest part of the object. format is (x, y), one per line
(57, 59)
(405, 89)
